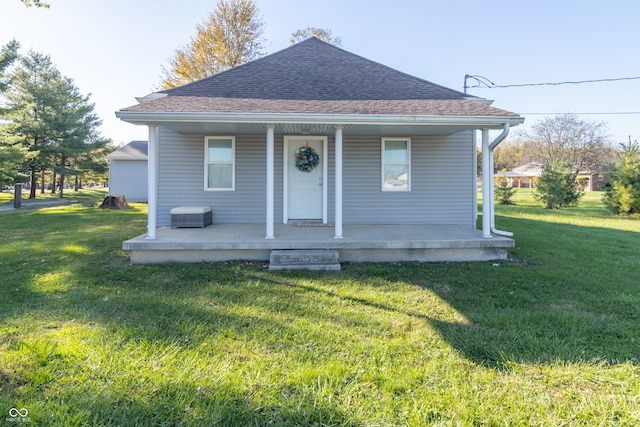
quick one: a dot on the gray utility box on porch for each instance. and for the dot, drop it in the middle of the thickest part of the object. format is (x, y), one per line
(191, 216)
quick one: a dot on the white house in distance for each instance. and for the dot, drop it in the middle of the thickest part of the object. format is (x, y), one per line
(128, 171)
(314, 147)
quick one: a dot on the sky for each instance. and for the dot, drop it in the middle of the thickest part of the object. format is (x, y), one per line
(115, 49)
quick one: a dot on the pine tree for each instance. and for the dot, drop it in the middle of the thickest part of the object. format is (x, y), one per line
(49, 117)
(503, 193)
(32, 105)
(622, 197)
(11, 153)
(556, 187)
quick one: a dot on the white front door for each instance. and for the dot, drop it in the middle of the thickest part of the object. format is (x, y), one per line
(305, 190)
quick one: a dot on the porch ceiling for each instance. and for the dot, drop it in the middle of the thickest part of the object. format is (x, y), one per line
(318, 128)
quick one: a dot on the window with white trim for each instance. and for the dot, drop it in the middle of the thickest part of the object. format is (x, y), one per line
(396, 164)
(219, 168)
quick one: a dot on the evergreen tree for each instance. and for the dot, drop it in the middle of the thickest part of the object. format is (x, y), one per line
(32, 101)
(11, 154)
(76, 132)
(231, 36)
(622, 196)
(503, 193)
(556, 187)
(50, 118)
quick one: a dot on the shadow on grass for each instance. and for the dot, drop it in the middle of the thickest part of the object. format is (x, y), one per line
(568, 295)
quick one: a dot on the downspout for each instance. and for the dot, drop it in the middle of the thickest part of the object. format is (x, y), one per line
(494, 144)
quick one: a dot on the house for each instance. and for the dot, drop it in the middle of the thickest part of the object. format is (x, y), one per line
(128, 171)
(524, 177)
(314, 147)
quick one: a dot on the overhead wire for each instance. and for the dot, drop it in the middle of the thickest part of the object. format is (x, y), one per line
(484, 83)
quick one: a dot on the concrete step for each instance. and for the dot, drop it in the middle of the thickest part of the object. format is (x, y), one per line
(304, 259)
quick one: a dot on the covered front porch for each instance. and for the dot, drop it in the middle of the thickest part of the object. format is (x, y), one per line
(361, 243)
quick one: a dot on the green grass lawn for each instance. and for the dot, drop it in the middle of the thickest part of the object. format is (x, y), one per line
(89, 194)
(549, 337)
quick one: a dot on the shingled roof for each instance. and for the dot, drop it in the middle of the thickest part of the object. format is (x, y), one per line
(135, 150)
(314, 77)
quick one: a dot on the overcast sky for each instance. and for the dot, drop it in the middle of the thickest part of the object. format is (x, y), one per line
(115, 49)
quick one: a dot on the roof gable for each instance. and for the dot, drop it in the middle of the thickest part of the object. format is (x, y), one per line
(315, 70)
(135, 150)
(312, 81)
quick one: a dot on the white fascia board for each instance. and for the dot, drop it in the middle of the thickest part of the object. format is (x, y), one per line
(137, 117)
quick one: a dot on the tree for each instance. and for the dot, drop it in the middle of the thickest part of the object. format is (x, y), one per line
(323, 34)
(36, 3)
(76, 132)
(503, 193)
(8, 55)
(556, 187)
(32, 106)
(50, 119)
(508, 155)
(231, 36)
(622, 196)
(580, 144)
(10, 153)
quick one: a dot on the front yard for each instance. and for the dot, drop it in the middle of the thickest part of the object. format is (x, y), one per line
(549, 337)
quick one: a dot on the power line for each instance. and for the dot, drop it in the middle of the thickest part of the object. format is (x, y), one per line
(611, 113)
(483, 82)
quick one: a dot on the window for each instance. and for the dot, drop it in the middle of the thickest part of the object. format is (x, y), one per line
(396, 164)
(220, 156)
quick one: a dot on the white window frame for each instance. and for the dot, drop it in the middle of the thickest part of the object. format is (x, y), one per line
(207, 163)
(383, 162)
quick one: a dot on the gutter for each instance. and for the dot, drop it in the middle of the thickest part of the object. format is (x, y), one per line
(494, 144)
(146, 118)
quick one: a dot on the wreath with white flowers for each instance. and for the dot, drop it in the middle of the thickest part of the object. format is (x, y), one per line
(306, 158)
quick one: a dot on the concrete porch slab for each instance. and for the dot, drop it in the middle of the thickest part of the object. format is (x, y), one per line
(361, 243)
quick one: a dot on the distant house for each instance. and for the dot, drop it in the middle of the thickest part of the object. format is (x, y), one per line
(128, 171)
(314, 147)
(524, 177)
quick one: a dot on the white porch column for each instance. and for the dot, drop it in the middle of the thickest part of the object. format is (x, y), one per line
(338, 183)
(152, 183)
(487, 183)
(270, 179)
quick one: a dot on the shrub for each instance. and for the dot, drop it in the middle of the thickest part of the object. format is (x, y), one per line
(557, 187)
(503, 193)
(622, 197)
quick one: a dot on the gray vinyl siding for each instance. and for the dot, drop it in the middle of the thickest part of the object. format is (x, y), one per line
(442, 180)
(181, 178)
(128, 178)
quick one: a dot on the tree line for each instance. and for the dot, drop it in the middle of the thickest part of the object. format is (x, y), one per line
(48, 129)
(565, 146)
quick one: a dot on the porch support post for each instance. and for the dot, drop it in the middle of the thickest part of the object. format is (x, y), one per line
(338, 183)
(152, 183)
(270, 179)
(487, 183)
